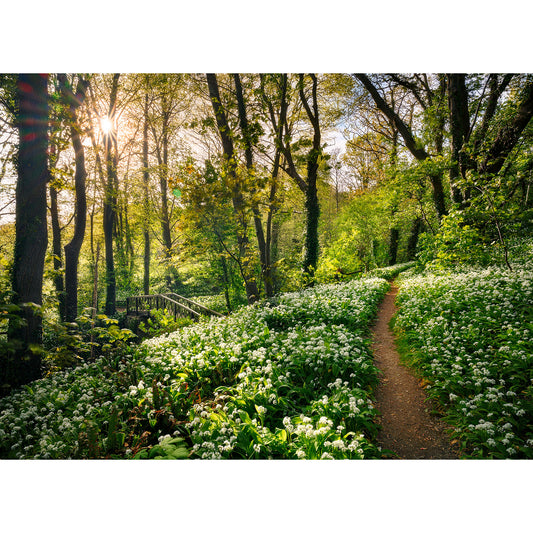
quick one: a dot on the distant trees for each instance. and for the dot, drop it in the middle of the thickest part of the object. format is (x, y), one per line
(411, 142)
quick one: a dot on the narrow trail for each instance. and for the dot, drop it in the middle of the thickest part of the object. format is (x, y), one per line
(407, 427)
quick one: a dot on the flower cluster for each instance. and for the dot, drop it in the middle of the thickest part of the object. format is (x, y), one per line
(226, 385)
(51, 417)
(472, 339)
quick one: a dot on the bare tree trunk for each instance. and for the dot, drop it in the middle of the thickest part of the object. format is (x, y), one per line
(57, 252)
(146, 205)
(110, 206)
(225, 275)
(164, 215)
(272, 226)
(95, 279)
(31, 234)
(72, 249)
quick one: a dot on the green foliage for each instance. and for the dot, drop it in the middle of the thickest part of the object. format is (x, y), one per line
(161, 321)
(358, 242)
(455, 243)
(10, 315)
(168, 448)
(64, 346)
(69, 344)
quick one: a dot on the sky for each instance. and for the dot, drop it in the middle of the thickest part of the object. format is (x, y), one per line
(274, 36)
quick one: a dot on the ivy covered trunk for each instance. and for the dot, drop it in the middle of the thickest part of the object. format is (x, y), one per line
(311, 194)
(312, 208)
(31, 236)
(393, 245)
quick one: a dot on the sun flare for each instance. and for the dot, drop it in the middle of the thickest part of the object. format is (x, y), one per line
(106, 125)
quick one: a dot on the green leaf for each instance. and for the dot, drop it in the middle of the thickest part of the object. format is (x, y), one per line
(282, 435)
(245, 417)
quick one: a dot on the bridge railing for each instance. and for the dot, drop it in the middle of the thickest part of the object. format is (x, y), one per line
(179, 306)
(193, 305)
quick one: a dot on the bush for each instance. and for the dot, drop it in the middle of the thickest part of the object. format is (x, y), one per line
(456, 243)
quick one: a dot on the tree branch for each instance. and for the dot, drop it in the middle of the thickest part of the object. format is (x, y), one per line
(418, 152)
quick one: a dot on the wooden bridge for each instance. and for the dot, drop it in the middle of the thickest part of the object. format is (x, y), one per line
(178, 305)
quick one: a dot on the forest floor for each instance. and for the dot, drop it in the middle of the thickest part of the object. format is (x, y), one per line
(409, 430)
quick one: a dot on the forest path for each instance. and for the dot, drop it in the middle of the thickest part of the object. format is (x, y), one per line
(407, 427)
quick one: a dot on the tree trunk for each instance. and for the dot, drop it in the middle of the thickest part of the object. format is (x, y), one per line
(96, 260)
(312, 208)
(272, 225)
(110, 206)
(165, 217)
(31, 234)
(227, 282)
(72, 249)
(311, 194)
(413, 238)
(393, 246)
(57, 252)
(146, 206)
(260, 234)
(459, 128)
(161, 146)
(252, 291)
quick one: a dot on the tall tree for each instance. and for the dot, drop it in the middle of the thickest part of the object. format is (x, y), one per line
(72, 249)
(238, 201)
(307, 185)
(146, 200)
(248, 141)
(459, 129)
(162, 124)
(31, 236)
(277, 115)
(110, 200)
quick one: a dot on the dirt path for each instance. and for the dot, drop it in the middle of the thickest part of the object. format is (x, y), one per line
(408, 429)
